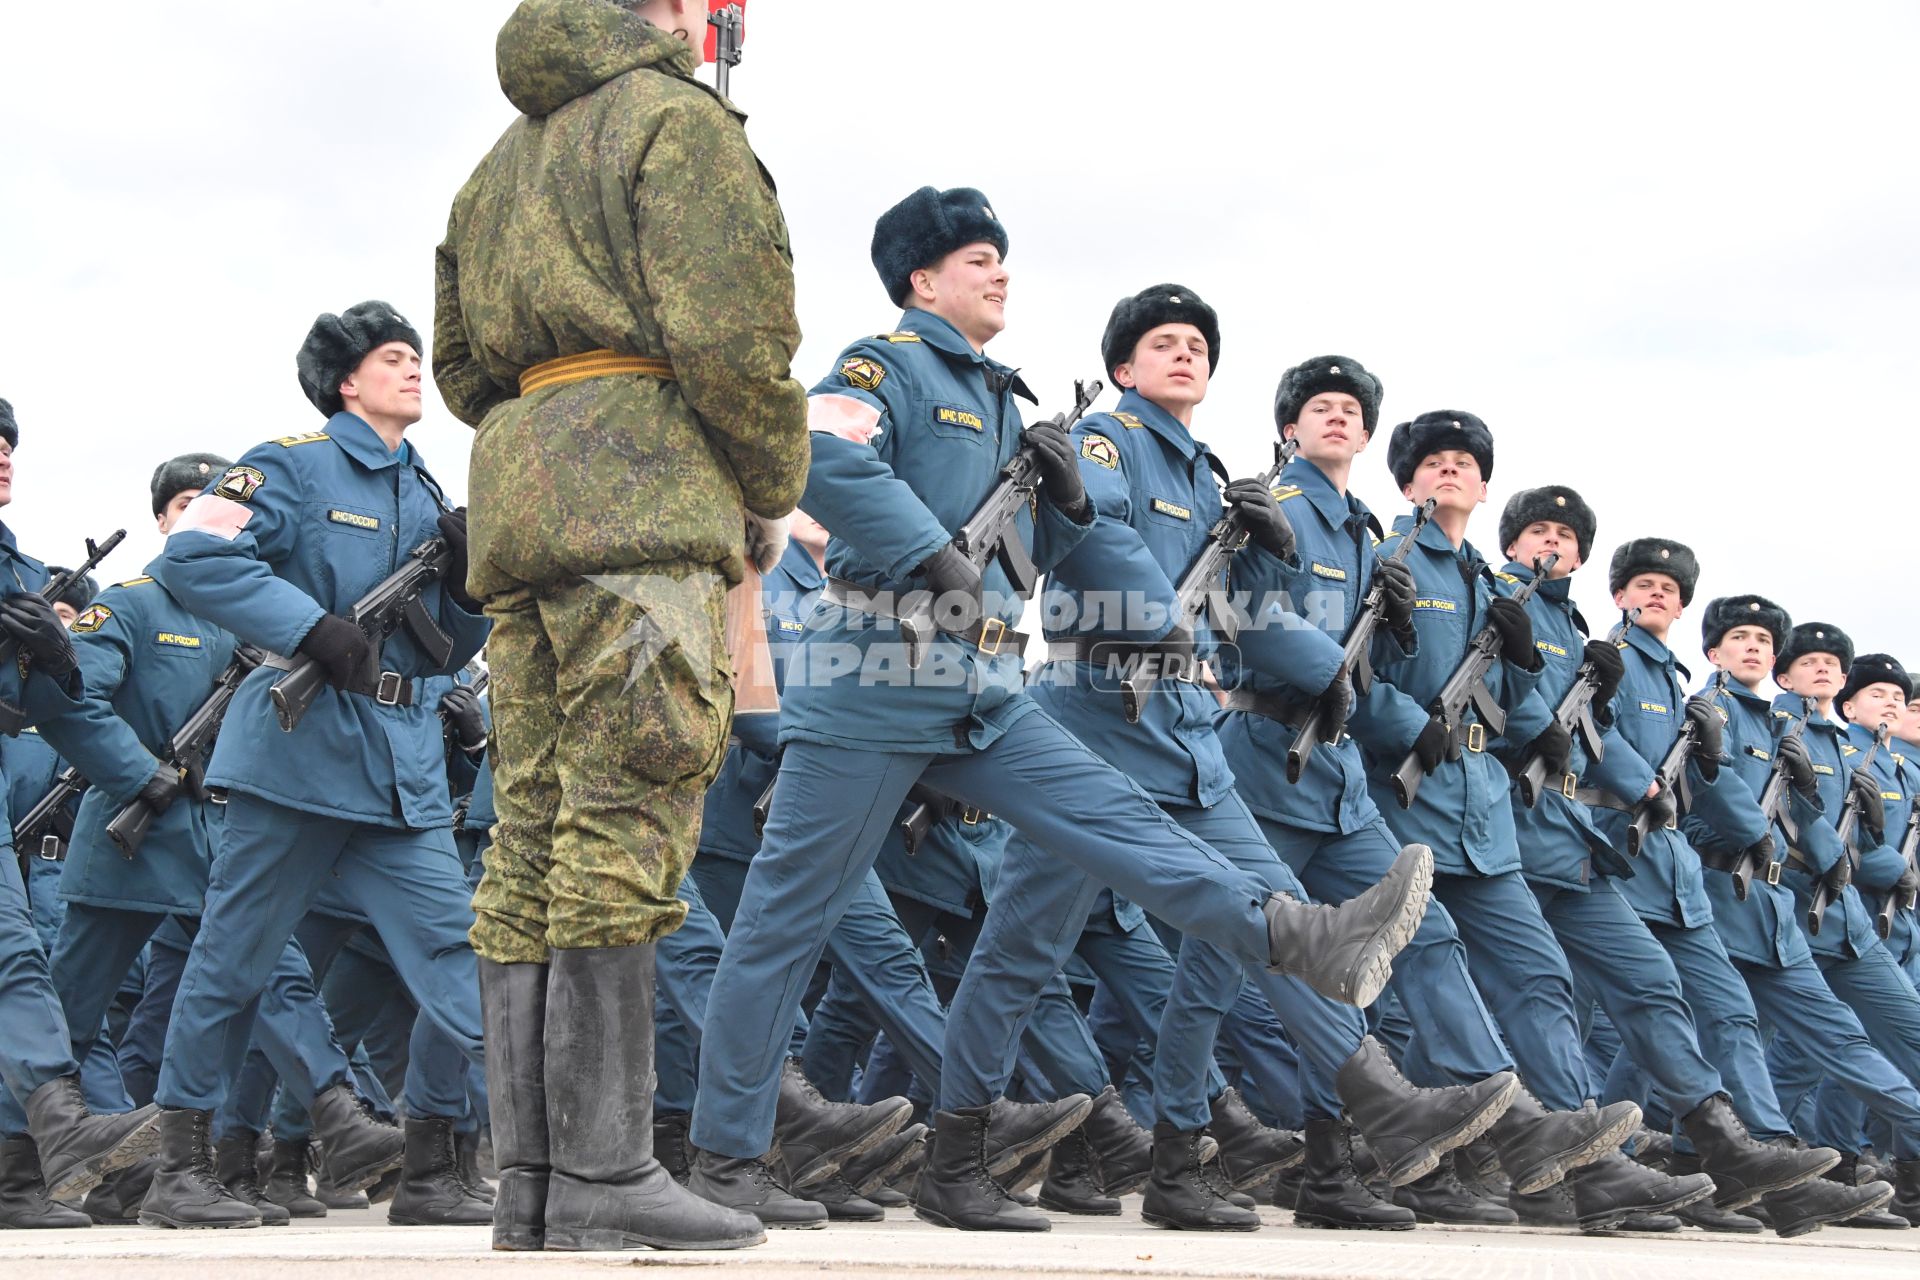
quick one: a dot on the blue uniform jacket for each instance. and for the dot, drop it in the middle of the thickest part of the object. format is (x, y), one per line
(1461, 810)
(148, 665)
(303, 526)
(1899, 774)
(1301, 613)
(34, 694)
(910, 431)
(1846, 931)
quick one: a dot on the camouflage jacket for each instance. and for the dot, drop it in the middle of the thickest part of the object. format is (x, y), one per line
(623, 210)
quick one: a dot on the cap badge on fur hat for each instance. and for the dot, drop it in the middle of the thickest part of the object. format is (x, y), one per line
(205, 469)
(1753, 606)
(1334, 369)
(1560, 501)
(1665, 554)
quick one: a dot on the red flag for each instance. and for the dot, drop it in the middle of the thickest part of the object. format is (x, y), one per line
(715, 6)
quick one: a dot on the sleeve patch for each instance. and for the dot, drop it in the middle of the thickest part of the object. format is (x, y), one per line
(1101, 450)
(91, 619)
(353, 518)
(862, 372)
(1332, 573)
(1173, 509)
(176, 639)
(239, 484)
(953, 416)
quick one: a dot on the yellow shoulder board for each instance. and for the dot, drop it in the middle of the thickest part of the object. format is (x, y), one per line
(287, 442)
(1505, 577)
(1127, 420)
(1850, 750)
(134, 582)
(1282, 492)
(902, 336)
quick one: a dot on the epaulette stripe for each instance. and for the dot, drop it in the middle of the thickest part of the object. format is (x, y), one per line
(311, 437)
(134, 582)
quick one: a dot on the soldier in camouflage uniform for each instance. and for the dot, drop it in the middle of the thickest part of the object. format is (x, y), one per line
(614, 313)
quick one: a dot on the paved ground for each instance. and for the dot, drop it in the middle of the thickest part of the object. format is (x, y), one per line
(362, 1244)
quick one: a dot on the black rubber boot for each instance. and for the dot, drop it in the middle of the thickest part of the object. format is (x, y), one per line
(1549, 1207)
(1537, 1147)
(1407, 1129)
(431, 1192)
(1183, 1194)
(868, 1174)
(1906, 1191)
(1477, 1165)
(1119, 1150)
(671, 1146)
(1250, 1152)
(1653, 1148)
(116, 1201)
(466, 1166)
(236, 1163)
(1023, 1184)
(1612, 1189)
(1346, 952)
(1705, 1214)
(513, 1012)
(816, 1136)
(77, 1148)
(1442, 1197)
(843, 1203)
(1017, 1130)
(1069, 1186)
(24, 1203)
(1655, 1223)
(1806, 1208)
(1744, 1170)
(1331, 1192)
(186, 1193)
(287, 1179)
(360, 1147)
(955, 1188)
(757, 1186)
(606, 1191)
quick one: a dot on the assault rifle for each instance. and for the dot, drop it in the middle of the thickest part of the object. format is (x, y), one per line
(1910, 854)
(1671, 774)
(1828, 887)
(1356, 659)
(12, 718)
(1574, 715)
(48, 822)
(479, 686)
(1776, 806)
(393, 602)
(990, 534)
(1202, 589)
(188, 751)
(1467, 687)
(729, 28)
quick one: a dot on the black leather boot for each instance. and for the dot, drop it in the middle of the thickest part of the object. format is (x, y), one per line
(360, 1147)
(605, 1190)
(1705, 1214)
(236, 1163)
(186, 1193)
(513, 1011)
(955, 1188)
(1120, 1151)
(757, 1186)
(816, 1136)
(1906, 1191)
(77, 1148)
(1744, 1170)
(1653, 1148)
(1409, 1129)
(1442, 1197)
(1069, 1186)
(24, 1203)
(1477, 1165)
(1017, 1130)
(1331, 1192)
(1537, 1147)
(431, 1192)
(1551, 1206)
(1250, 1153)
(116, 1201)
(1812, 1205)
(1022, 1184)
(287, 1179)
(869, 1174)
(1612, 1189)
(842, 1203)
(671, 1146)
(466, 1166)
(1183, 1193)
(1346, 952)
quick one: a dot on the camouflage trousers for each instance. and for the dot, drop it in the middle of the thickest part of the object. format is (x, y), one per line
(611, 701)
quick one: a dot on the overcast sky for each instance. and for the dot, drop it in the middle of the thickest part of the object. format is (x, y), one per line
(1668, 252)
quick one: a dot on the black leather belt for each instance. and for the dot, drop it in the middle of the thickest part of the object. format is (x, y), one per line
(1288, 709)
(1595, 798)
(52, 849)
(1731, 862)
(989, 635)
(389, 688)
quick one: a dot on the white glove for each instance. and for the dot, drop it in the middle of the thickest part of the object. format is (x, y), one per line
(766, 541)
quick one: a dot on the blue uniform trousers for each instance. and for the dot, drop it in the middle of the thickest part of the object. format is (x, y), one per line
(684, 963)
(1879, 995)
(1617, 962)
(371, 1007)
(833, 808)
(145, 1041)
(35, 1048)
(1838, 1111)
(271, 864)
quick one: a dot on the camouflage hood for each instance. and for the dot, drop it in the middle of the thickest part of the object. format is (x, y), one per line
(553, 51)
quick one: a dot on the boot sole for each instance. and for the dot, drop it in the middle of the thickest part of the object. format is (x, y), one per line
(1060, 1206)
(1261, 1174)
(828, 1163)
(148, 1219)
(1553, 1170)
(1364, 982)
(1611, 1220)
(1810, 1225)
(886, 1173)
(1472, 1129)
(941, 1220)
(1329, 1224)
(362, 1178)
(135, 1147)
(1750, 1194)
(611, 1241)
(1172, 1224)
(1010, 1157)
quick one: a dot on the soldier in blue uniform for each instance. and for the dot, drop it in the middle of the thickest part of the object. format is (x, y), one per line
(276, 552)
(52, 1147)
(910, 431)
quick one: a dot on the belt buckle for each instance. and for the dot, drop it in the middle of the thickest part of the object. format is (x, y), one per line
(1476, 736)
(50, 849)
(387, 691)
(1773, 872)
(971, 816)
(1567, 787)
(992, 632)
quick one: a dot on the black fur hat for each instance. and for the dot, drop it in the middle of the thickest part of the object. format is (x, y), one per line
(1430, 433)
(1554, 502)
(1655, 555)
(1327, 373)
(1724, 613)
(9, 429)
(188, 471)
(80, 594)
(926, 227)
(336, 345)
(1133, 318)
(1875, 668)
(1813, 637)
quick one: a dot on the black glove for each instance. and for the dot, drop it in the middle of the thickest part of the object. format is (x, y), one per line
(1335, 703)
(1709, 736)
(1059, 469)
(162, 789)
(958, 591)
(1661, 810)
(340, 647)
(1608, 670)
(1266, 524)
(460, 708)
(1873, 809)
(1761, 850)
(1840, 875)
(1509, 619)
(1431, 746)
(1396, 599)
(31, 621)
(1555, 746)
(1907, 885)
(1793, 757)
(453, 528)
